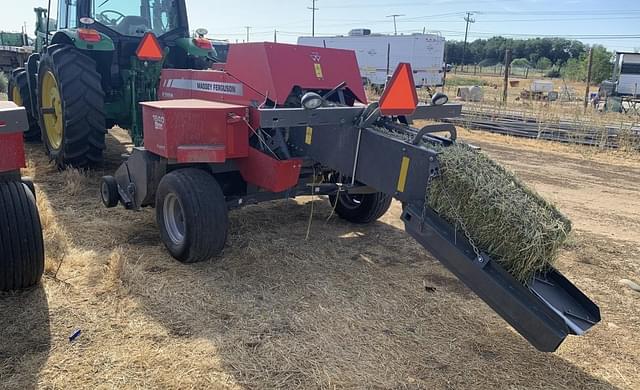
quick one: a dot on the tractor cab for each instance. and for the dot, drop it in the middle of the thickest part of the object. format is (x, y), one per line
(134, 19)
(124, 23)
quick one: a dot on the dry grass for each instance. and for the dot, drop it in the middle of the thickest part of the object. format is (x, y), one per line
(346, 309)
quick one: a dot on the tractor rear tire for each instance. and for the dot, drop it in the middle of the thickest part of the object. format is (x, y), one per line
(71, 105)
(361, 209)
(21, 243)
(191, 212)
(19, 94)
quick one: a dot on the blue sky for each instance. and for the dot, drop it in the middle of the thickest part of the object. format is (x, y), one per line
(616, 24)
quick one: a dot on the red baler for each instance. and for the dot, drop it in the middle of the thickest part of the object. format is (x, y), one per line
(275, 121)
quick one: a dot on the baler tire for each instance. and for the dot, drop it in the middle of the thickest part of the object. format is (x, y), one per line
(79, 85)
(204, 214)
(20, 80)
(21, 242)
(369, 207)
(109, 192)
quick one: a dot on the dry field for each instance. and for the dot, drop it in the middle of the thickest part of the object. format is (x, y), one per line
(347, 308)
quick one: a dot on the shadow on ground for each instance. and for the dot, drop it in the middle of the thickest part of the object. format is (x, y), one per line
(25, 337)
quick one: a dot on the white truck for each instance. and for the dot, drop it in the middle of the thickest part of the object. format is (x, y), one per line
(378, 55)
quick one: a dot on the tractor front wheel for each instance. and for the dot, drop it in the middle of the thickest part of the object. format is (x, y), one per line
(71, 104)
(361, 208)
(19, 94)
(192, 215)
(21, 243)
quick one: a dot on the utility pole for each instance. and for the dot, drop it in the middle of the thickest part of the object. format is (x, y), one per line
(467, 19)
(313, 17)
(275, 36)
(589, 67)
(395, 26)
(507, 68)
(248, 29)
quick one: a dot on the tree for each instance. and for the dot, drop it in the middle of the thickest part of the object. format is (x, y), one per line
(544, 63)
(575, 69)
(556, 50)
(601, 66)
(521, 63)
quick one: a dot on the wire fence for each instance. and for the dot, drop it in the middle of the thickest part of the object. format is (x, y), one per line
(498, 70)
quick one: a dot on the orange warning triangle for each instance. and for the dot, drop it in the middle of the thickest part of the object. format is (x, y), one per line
(400, 96)
(149, 49)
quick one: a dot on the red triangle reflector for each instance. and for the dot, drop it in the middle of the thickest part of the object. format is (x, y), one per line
(149, 49)
(400, 96)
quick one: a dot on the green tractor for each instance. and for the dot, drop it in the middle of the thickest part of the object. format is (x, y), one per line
(88, 74)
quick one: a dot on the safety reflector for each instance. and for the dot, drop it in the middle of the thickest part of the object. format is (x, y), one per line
(149, 49)
(89, 35)
(400, 96)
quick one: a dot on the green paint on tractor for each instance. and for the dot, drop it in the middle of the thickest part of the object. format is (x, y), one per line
(88, 47)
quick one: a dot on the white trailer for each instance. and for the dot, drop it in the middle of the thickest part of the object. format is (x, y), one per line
(378, 55)
(627, 70)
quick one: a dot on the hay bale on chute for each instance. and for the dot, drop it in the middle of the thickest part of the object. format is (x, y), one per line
(506, 220)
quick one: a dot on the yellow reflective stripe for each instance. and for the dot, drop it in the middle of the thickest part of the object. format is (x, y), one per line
(404, 171)
(309, 136)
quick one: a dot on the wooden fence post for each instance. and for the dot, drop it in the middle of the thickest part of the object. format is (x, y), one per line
(507, 67)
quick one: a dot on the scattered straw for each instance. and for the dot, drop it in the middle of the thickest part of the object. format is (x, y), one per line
(508, 221)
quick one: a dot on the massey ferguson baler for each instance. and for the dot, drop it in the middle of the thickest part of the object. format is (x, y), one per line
(279, 121)
(21, 242)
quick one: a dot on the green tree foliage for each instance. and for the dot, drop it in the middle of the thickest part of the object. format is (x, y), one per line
(567, 55)
(544, 63)
(521, 63)
(556, 50)
(601, 67)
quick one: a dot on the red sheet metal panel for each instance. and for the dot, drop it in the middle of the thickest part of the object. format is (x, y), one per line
(196, 131)
(13, 122)
(11, 152)
(256, 71)
(268, 173)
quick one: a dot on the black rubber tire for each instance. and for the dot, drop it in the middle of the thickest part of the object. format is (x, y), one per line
(205, 214)
(21, 243)
(366, 209)
(109, 191)
(82, 99)
(20, 78)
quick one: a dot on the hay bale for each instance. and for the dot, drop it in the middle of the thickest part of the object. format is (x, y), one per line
(506, 220)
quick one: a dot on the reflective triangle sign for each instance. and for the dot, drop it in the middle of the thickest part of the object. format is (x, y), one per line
(400, 96)
(149, 49)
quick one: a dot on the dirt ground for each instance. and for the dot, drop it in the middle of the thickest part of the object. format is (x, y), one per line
(347, 308)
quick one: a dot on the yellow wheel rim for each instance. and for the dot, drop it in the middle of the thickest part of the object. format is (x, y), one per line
(15, 96)
(52, 110)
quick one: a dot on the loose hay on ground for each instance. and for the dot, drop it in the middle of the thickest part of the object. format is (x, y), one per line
(507, 220)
